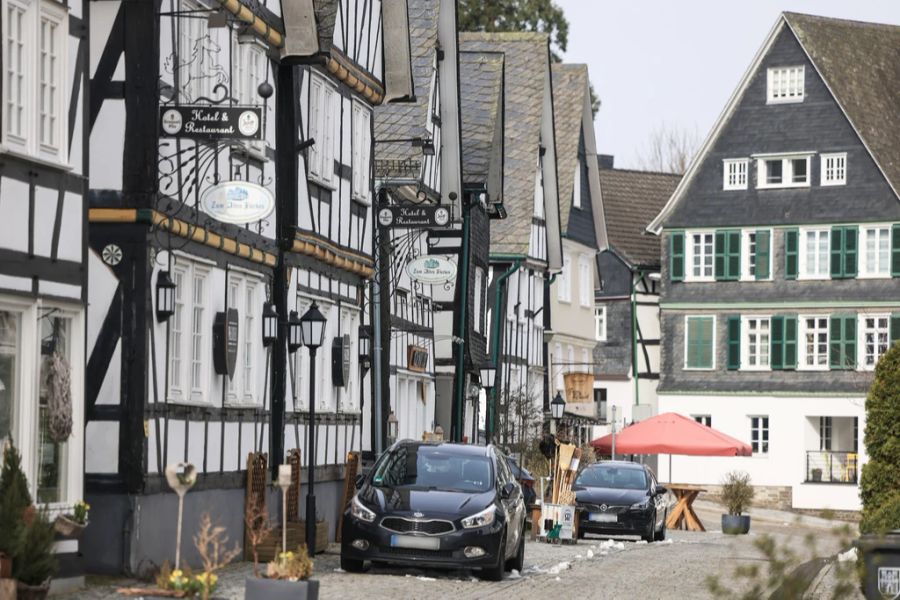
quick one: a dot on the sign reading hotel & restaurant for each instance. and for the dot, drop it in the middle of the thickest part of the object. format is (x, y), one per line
(206, 122)
(237, 202)
(431, 270)
(413, 216)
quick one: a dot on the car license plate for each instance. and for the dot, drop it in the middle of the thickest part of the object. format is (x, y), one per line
(603, 517)
(415, 541)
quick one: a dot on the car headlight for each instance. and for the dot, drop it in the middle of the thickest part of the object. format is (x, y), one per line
(640, 505)
(480, 519)
(361, 512)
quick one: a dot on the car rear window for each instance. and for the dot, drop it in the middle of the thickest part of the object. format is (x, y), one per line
(613, 477)
(433, 467)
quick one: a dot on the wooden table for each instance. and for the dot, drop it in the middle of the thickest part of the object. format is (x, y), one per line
(683, 515)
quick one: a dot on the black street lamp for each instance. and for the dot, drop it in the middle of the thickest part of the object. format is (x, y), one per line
(165, 297)
(488, 376)
(312, 329)
(295, 332)
(269, 324)
(557, 407)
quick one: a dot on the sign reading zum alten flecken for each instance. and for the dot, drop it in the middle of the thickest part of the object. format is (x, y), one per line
(431, 270)
(237, 202)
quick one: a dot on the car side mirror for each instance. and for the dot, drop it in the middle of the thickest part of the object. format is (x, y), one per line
(578, 488)
(661, 489)
(507, 490)
(360, 478)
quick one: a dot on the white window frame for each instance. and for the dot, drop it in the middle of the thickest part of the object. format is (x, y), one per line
(804, 330)
(195, 80)
(880, 232)
(299, 377)
(762, 428)
(787, 170)
(714, 346)
(735, 173)
(745, 343)
(703, 419)
(576, 185)
(689, 256)
(29, 143)
(185, 393)
(237, 391)
(861, 338)
(600, 322)
(746, 245)
(585, 282)
(323, 99)
(802, 272)
(564, 280)
(558, 364)
(361, 143)
(785, 91)
(479, 286)
(837, 170)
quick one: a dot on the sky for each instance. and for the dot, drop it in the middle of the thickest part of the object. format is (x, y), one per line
(675, 63)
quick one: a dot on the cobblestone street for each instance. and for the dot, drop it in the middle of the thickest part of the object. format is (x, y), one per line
(593, 568)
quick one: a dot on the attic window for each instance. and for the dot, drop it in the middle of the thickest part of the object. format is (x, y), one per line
(782, 171)
(785, 84)
(576, 192)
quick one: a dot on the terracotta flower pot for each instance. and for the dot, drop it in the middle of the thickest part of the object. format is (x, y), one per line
(259, 588)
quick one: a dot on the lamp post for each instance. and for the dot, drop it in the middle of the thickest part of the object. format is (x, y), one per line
(557, 408)
(312, 329)
(488, 375)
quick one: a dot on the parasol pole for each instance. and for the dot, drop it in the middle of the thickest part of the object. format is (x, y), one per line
(670, 468)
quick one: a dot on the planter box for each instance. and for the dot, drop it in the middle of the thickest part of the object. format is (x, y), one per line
(296, 536)
(735, 524)
(881, 556)
(258, 588)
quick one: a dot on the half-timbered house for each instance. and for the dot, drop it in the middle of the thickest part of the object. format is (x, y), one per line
(203, 113)
(43, 231)
(525, 247)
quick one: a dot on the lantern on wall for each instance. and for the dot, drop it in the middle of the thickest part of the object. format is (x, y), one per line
(295, 333)
(165, 297)
(365, 347)
(269, 324)
(557, 407)
(488, 373)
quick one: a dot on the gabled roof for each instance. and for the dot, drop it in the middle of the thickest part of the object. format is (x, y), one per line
(408, 120)
(631, 199)
(570, 84)
(481, 85)
(527, 59)
(859, 63)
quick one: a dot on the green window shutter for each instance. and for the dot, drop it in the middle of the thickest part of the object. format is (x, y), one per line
(733, 258)
(699, 342)
(706, 342)
(791, 243)
(790, 342)
(837, 252)
(776, 343)
(849, 357)
(895, 328)
(719, 263)
(762, 254)
(676, 256)
(691, 359)
(895, 250)
(836, 341)
(850, 251)
(734, 342)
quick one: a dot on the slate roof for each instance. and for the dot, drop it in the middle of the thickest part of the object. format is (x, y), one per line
(326, 15)
(527, 58)
(480, 87)
(631, 200)
(408, 120)
(570, 84)
(860, 62)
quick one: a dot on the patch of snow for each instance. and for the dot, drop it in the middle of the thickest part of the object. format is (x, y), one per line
(849, 555)
(423, 578)
(603, 553)
(514, 574)
(339, 570)
(557, 579)
(611, 545)
(640, 542)
(559, 568)
(578, 556)
(590, 554)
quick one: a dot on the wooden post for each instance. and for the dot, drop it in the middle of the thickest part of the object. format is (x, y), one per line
(350, 471)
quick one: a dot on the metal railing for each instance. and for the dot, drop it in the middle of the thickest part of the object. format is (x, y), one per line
(826, 466)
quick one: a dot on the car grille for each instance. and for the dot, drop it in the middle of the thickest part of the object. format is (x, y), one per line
(415, 552)
(596, 508)
(422, 526)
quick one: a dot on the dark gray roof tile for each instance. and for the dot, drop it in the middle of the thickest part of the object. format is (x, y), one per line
(481, 83)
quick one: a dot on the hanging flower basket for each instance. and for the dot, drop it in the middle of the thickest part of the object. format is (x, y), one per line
(68, 527)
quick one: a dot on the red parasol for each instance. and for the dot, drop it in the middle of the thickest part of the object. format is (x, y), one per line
(671, 433)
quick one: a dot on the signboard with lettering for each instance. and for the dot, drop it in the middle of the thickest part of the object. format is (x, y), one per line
(225, 342)
(237, 202)
(413, 216)
(579, 387)
(431, 270)
(207, 122)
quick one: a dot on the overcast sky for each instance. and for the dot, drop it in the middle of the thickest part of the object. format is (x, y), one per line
(675, 63)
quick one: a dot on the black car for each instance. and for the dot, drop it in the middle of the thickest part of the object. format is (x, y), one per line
(621, 498)
(437, 505)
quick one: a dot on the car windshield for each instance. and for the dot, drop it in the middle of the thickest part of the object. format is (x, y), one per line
(434, 467)
(613, 477)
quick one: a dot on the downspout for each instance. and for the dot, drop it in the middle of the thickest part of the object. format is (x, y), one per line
(634, 352)
(495, 352)
(460, 349)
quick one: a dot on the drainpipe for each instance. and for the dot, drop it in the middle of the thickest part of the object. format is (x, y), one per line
(495, 353)
(459, 348)
(634, 361)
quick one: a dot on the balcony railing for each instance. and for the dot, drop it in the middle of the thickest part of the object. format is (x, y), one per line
(826, 466)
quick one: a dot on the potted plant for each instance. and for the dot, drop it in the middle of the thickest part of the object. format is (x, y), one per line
(34, 562)
(816, 474)
(14, 500)
(72, 525)
(736, 495)
(287, 578)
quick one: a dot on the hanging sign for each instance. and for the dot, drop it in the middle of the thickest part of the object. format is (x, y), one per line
(416, 358)
(579, 387)
(237, 202)
(225, 342)
(414, 216)
(431, 270)
(207, 122)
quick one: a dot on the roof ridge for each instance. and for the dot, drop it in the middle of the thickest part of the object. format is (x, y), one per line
(789, 14)
(643, 172)
(508, 36)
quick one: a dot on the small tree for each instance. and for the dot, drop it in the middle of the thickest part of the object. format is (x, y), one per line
(881, 474)
(737, 493)
(34, 562)
(14, 499)
(258, 528)
(211, 542)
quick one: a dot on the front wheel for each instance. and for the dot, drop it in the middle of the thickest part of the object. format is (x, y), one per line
(495, 573)
(651, 530)
(661, 534)
(351, 565)
(517, 562)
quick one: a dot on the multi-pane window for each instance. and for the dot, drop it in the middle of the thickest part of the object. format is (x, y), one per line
(245, 296)
(34, 87)
(825, 425)
(759, 435)
(585, 281)
(55, 332)
(322, 106)
(815, 343)
(702, 254)
(194, 78)
(756, 254)
(189, 330)
(563, 283)
(735, 174)
(876, 247)
(815, 253)
(699, 342)
(703, 419)
(834, 169)
(757, 342)
(782, 171)
(600, 323)
(10, 350)
(249, 64)
(785, 84)
(362, 139)
(875, 337)
(198, 337)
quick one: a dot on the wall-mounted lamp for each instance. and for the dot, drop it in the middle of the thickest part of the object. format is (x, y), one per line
(165, 297)
(295, 332)
(269, 324)
(365, 346)
(557, 407)
(488, 373)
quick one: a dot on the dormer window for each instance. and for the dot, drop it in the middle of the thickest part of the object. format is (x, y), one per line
(735, 174)
(782, 171)
(785, 84)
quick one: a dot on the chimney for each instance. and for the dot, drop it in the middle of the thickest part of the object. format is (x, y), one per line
(605, 161)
